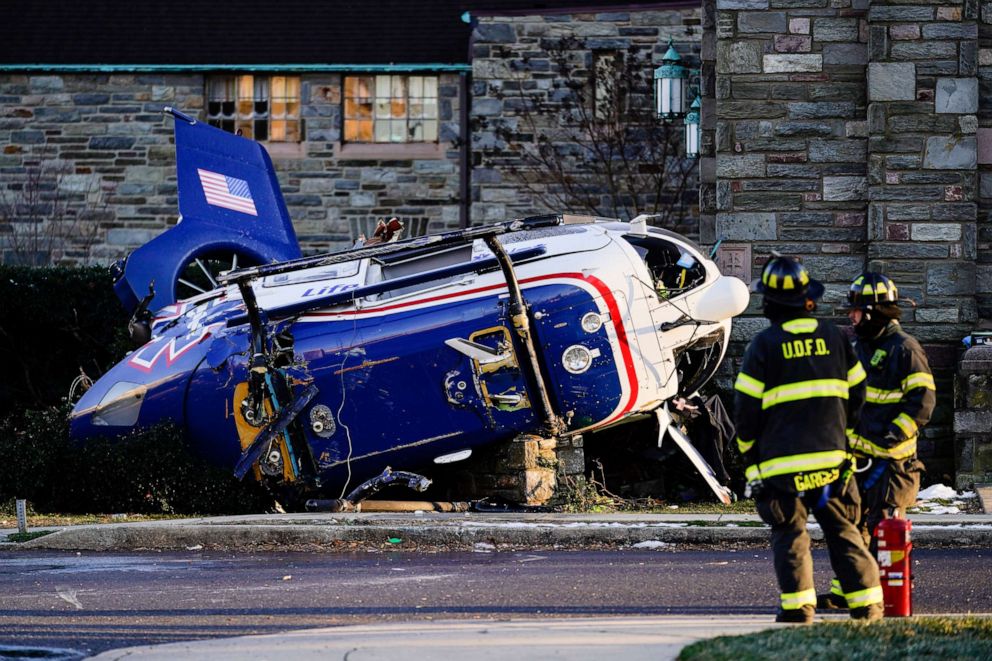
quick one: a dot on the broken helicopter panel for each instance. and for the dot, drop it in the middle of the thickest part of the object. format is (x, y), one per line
(314, 373)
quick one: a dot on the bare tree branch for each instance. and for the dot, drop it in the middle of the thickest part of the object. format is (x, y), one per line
(47, 213)
(588, 141)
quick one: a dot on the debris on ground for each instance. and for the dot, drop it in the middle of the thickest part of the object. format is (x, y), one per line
(942, 499)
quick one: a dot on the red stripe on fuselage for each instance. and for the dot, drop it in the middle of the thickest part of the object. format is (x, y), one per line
(614, 309)
(599, 285)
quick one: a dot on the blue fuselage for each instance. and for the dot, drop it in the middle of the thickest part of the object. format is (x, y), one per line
(398, 394)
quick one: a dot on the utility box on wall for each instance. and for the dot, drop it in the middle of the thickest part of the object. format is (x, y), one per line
(735, 259)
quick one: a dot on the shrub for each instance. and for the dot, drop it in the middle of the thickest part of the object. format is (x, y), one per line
(149, 471)
(54, 321)
(35, 445)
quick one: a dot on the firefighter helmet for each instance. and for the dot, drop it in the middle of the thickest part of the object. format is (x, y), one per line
(870, 289)
(785, 281)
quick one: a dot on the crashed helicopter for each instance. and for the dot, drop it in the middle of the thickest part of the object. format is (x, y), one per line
(313, 373)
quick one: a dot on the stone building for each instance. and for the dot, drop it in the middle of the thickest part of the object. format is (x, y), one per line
(856, 135)
(366, 114)
(853, 134)
(563, 114)
(361, 116)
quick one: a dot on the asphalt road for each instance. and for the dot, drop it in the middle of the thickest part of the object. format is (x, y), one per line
(94, 602)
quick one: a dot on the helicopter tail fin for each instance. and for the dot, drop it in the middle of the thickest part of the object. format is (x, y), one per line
(229, 205)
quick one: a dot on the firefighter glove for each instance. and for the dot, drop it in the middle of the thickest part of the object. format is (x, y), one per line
(754, 489)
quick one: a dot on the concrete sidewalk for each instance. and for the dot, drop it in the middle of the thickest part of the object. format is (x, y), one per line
(461, 530)
(586, 639)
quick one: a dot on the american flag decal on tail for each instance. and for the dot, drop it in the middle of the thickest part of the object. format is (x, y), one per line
(227, 192)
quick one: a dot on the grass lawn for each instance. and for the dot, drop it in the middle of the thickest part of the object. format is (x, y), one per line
(8, 519)
(896, 638)
(604, 504)
(703, 507)
(26, 536)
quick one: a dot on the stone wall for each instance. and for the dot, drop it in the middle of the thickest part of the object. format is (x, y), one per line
(923, 95)
(983, 279)
(923, 92)
(530, 72)
(973, 419)
(98, 147)
(790, 134)
(845, 134)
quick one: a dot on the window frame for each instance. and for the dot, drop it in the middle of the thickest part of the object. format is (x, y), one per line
(253, 104)
(383, 109)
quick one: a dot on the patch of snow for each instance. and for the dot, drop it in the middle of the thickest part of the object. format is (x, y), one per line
(650, 544)
(483, 547)
(936, 491)
(938, 509)
(941, 499)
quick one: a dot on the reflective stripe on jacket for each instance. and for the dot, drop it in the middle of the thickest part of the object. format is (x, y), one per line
(800, 387)
(900, 396)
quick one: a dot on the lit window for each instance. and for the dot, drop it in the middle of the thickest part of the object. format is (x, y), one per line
(260, 107)
(390, 108)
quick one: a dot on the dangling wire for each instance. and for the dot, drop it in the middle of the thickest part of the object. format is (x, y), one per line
(347, 429)
(79, 386)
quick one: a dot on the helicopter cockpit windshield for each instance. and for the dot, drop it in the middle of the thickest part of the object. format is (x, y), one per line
(674, 271)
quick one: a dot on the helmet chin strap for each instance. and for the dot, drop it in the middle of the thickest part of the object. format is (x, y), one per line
(869, 327)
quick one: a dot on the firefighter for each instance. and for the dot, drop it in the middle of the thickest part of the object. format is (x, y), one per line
(799, 387)
(900, 399)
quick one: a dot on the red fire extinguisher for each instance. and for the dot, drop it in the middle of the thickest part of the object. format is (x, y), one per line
(894, 547)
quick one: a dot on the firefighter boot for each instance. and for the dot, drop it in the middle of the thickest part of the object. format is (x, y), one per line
(869, 613)
(831, 602)
(803, 615)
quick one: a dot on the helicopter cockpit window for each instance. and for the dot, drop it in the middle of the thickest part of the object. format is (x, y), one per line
(412, 263)
(674, 271)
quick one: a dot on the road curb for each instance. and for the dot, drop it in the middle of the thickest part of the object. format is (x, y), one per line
(348, 535)
(331, 537)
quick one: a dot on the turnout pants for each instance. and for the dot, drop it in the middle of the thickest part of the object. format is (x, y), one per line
(887, 484)
(837, 512)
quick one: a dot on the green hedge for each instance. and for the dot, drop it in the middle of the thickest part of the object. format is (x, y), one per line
(54, 321)
(151, 471)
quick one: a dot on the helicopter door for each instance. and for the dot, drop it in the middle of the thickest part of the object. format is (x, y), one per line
(499, 382)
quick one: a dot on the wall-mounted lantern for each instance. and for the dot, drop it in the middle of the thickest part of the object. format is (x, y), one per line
(670, 97)
(692, 129)
(670, 85)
